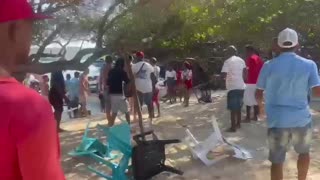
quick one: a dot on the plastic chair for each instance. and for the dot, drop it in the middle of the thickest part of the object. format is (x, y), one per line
(148, 158)
(89, 145)
(200, 150)
(118, 139)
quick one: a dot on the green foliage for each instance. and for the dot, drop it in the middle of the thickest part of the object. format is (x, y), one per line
(189, 22)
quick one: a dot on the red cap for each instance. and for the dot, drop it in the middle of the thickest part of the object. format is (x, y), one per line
(13, 10)
(140, 54)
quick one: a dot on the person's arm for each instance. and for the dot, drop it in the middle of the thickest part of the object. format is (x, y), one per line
(262, 82)
(224, 70)
(125, 78)
(101, 80)
(37, 142)
(314, 80)
(246, 66)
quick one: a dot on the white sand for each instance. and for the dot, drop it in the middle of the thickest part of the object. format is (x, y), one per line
(197, 117)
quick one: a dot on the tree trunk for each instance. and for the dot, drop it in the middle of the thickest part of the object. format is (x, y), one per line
(135, 95)
(62, 64)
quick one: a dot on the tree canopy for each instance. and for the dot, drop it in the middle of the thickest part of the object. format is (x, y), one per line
(184, 23)
(166, 25)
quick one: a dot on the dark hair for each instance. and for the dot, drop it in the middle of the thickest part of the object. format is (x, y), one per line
(250, 48)
(57, 80)
(119, 63)
(108, 59)
(76, 74)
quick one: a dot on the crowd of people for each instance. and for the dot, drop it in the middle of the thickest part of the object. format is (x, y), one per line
(284, 83)
(115, 87)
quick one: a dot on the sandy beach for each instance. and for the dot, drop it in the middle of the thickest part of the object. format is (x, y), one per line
(198, 119)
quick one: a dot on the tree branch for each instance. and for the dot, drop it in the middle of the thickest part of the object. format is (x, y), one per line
(104, 19)
(35, 58)
(62, 64)
(110, 24)
(51, 9)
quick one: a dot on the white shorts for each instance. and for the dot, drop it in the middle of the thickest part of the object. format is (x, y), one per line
(119, 103)
(249, 97)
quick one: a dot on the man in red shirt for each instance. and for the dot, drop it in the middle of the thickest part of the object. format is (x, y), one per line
(254, 64)
(29, 143)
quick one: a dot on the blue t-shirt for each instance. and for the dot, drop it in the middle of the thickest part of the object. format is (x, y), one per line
(74, 88)
(287, 80)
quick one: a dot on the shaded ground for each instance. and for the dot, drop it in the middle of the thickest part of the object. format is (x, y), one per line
(198, 118)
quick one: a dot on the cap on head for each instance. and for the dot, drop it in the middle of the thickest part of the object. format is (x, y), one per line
(288, 38)
(231, 50)
(140, 54)
(13, 10)
(153, 60)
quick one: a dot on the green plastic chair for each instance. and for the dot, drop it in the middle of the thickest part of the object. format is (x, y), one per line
(89, 145)
(118, 139)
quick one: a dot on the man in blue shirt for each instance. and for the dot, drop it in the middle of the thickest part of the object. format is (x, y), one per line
(286, 81)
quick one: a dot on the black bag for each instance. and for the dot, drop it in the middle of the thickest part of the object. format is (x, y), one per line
(148, 157)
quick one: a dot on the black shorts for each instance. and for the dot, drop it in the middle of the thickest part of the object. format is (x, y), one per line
(56, 101)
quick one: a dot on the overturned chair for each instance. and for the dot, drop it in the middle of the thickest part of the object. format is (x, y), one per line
(148, 157)
(200, 150)
(89, 145)
(118, 139)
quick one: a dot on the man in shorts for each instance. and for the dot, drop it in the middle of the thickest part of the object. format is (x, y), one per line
(254, 64)
(286, 81)
(104, 90)
(30, 147)
(118, 76)
(145, 82)
(233, 71)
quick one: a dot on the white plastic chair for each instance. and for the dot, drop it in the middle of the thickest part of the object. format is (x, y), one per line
(200, 150)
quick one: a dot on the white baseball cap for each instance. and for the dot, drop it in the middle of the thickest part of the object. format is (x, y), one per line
(288, 38)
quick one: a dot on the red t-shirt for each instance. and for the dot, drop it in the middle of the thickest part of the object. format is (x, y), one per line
(179, 77)
(29, 143)
(254, 64)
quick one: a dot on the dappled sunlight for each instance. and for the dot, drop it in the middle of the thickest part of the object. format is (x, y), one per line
(172, 125)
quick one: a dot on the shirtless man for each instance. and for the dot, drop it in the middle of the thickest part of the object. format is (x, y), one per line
(84, 92)
(104, 90)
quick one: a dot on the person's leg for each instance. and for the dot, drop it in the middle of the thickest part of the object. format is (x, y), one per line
(248, 112)
(256, 112)
(303, 166)
(276, 171)
(187, 97)
(69, 112)
(107, 103)
(302, 138)
(112, 119)
(238, 119)
(233, 121)
(114, 100)
(278, 140)
(58, 116)
(158, 107)
(147, 97)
